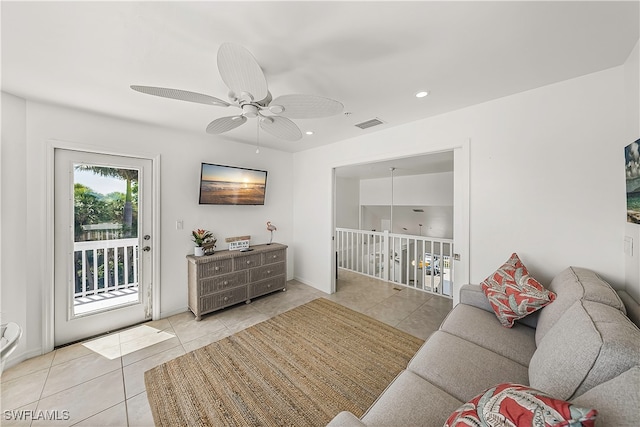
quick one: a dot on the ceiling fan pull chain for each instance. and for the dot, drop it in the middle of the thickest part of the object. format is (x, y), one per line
(258, 136)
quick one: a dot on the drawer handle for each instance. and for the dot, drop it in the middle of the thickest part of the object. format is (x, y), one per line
(275, 256)
(226, 299)
(268, 271)
(217, 268)
(226, 282)
(269, 285)
(248, 262)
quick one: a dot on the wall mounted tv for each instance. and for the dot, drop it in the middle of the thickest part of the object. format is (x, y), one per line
(231, 185)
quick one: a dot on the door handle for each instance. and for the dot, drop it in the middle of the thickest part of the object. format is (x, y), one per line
(146, 248)
(146, 237)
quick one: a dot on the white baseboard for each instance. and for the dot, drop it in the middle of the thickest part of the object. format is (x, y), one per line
(308, 283)
(165, 314)
(17, 358)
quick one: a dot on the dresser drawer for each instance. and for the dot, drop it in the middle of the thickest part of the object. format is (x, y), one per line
(215, 268)
(266, 272)
(223, 299)
(274, 256)
(220, 283)
(245, 262)
(266, 286)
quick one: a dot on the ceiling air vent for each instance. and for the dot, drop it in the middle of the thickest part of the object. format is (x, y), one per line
(418, 210)
(369, 123)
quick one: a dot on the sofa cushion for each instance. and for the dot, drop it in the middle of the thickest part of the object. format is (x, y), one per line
(461, 368)
(590, 344)
(410, 401)
(346, 419)
(518, 405)
(513, 293)
(482, 328)
(617, 400)
(570, 285)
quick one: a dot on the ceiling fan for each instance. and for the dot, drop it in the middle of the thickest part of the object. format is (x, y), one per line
(248, 91)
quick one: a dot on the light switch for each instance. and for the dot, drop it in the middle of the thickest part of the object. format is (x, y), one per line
(179, 224)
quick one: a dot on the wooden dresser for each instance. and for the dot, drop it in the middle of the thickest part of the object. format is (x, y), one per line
(229, 277)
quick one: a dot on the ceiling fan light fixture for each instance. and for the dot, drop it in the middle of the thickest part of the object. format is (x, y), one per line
(276, 109)
(309, 132)
(422, 94)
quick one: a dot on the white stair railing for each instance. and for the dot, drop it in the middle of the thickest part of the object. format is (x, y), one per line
(418, 262)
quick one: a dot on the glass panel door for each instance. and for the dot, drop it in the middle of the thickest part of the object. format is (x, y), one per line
(102, 243)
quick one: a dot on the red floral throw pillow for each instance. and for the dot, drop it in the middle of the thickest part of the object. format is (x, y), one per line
(521, 406)
(514, 294)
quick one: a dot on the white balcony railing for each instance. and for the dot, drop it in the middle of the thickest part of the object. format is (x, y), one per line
(103, 266)
(418, 262)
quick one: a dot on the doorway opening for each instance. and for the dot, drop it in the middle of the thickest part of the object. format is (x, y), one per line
(103, 222)
(395, 220)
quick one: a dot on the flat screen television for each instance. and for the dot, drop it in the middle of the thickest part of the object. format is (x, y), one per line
(231, 185)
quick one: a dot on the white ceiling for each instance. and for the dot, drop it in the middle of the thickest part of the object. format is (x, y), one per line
(371, 56)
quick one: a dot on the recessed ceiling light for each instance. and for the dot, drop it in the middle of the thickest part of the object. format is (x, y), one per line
(422, 94)
(309, 132)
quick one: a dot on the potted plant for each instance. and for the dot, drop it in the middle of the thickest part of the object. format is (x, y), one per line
(201, 237)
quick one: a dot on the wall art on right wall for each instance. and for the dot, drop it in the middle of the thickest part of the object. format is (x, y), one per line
(632, 173)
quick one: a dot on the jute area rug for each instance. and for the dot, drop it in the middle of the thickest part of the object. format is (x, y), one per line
(299, 368)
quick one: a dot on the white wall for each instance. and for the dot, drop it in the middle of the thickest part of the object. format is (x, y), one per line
(347, 202)
(433, 192)
(24, 163)
(545, 179)
(357, 201)
(16, 273)
(433, 189)
(632, 133)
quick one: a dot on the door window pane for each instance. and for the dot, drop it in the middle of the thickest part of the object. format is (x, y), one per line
(105, 206)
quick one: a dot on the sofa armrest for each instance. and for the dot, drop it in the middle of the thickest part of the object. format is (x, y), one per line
(473, 295)
(346, 419)
(632, 307)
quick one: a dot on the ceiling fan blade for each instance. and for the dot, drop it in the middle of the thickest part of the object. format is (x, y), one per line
(305, 106)
(281, 127)
(181, 95)
(241, 72)
(225, 124)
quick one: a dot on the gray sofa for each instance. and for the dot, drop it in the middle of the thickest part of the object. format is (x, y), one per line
(581, 348)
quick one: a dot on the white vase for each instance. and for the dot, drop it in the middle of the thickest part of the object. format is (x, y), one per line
(198, 251)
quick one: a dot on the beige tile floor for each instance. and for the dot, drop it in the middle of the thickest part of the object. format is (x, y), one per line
(104, 385)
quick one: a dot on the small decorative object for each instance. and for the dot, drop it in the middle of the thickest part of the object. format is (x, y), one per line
(514, 404)
(208, 247)
(204, 240)
(271, 228)
(238, 243)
